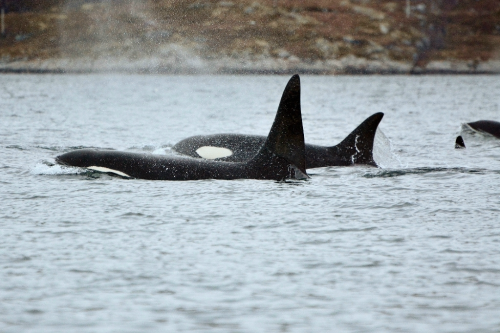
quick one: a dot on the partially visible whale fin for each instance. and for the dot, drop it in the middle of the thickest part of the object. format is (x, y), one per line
(286, 137)
(486, 126)
(358, 146)
(459, 142)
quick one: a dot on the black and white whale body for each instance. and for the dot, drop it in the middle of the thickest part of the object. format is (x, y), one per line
(486, 126)
(356, 148)
(281, 156)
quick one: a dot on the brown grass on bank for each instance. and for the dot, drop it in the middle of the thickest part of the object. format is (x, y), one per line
(292, 29)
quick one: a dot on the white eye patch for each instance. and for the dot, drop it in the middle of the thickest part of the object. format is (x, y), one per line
(212, 153)
(103, 169)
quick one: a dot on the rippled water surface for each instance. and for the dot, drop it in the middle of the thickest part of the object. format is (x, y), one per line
(412, 246)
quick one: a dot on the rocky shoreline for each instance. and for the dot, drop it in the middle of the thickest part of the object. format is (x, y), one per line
(325, 37)
(345, 66)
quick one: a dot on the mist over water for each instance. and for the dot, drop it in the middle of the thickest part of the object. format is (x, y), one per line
(131, 37)
(411, 246)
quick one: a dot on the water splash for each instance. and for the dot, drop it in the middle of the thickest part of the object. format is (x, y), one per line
(383, 152)
(422, 171)
(47, 168)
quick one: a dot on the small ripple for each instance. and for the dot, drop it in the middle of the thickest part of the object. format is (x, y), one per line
(20, 259)
(71, 148)
(54, 232)
(392, 240)
(340, 230)
(81, 271)
(420, 171)
(316, 242)
(166, 292)
(460, 308)
(34, 311)
(453, 266)
(441, 236)
(110, 232)
(34, 197)
(484, 283)
(429, 296)
(16, 147)
(375, 263)
(476, 270)
(132, 214)
(285, 274)
(94, 309)
(51, 148)
(455, 251)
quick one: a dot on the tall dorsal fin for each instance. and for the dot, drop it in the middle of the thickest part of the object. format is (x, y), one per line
(358, 145)
(286, 137)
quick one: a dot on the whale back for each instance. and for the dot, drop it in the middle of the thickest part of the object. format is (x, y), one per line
(356, 148)
(486, 126)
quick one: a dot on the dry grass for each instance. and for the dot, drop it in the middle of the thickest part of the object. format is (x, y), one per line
(309, 30)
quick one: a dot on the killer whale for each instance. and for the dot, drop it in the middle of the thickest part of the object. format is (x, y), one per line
(281, 156)
(356, 148)
(486, 126)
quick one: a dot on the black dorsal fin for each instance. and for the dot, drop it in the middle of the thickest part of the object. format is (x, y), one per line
(358, 146)
(459, 142)
(286, 137)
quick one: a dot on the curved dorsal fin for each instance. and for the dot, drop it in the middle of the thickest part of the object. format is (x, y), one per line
(358, 145)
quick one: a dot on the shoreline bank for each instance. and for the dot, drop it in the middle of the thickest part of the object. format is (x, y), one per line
(346, 66)
(251, 37)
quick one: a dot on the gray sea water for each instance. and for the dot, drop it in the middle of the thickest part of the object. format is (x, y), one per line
(413, 246)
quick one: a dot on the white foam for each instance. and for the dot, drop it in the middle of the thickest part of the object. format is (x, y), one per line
(160, 151)
(296, 174)
(56, 169)
(212, 153)
(103, 169)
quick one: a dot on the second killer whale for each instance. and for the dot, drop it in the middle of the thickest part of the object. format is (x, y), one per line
(486, 126)
(490, 127)
(356, 148)
(281, 156)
